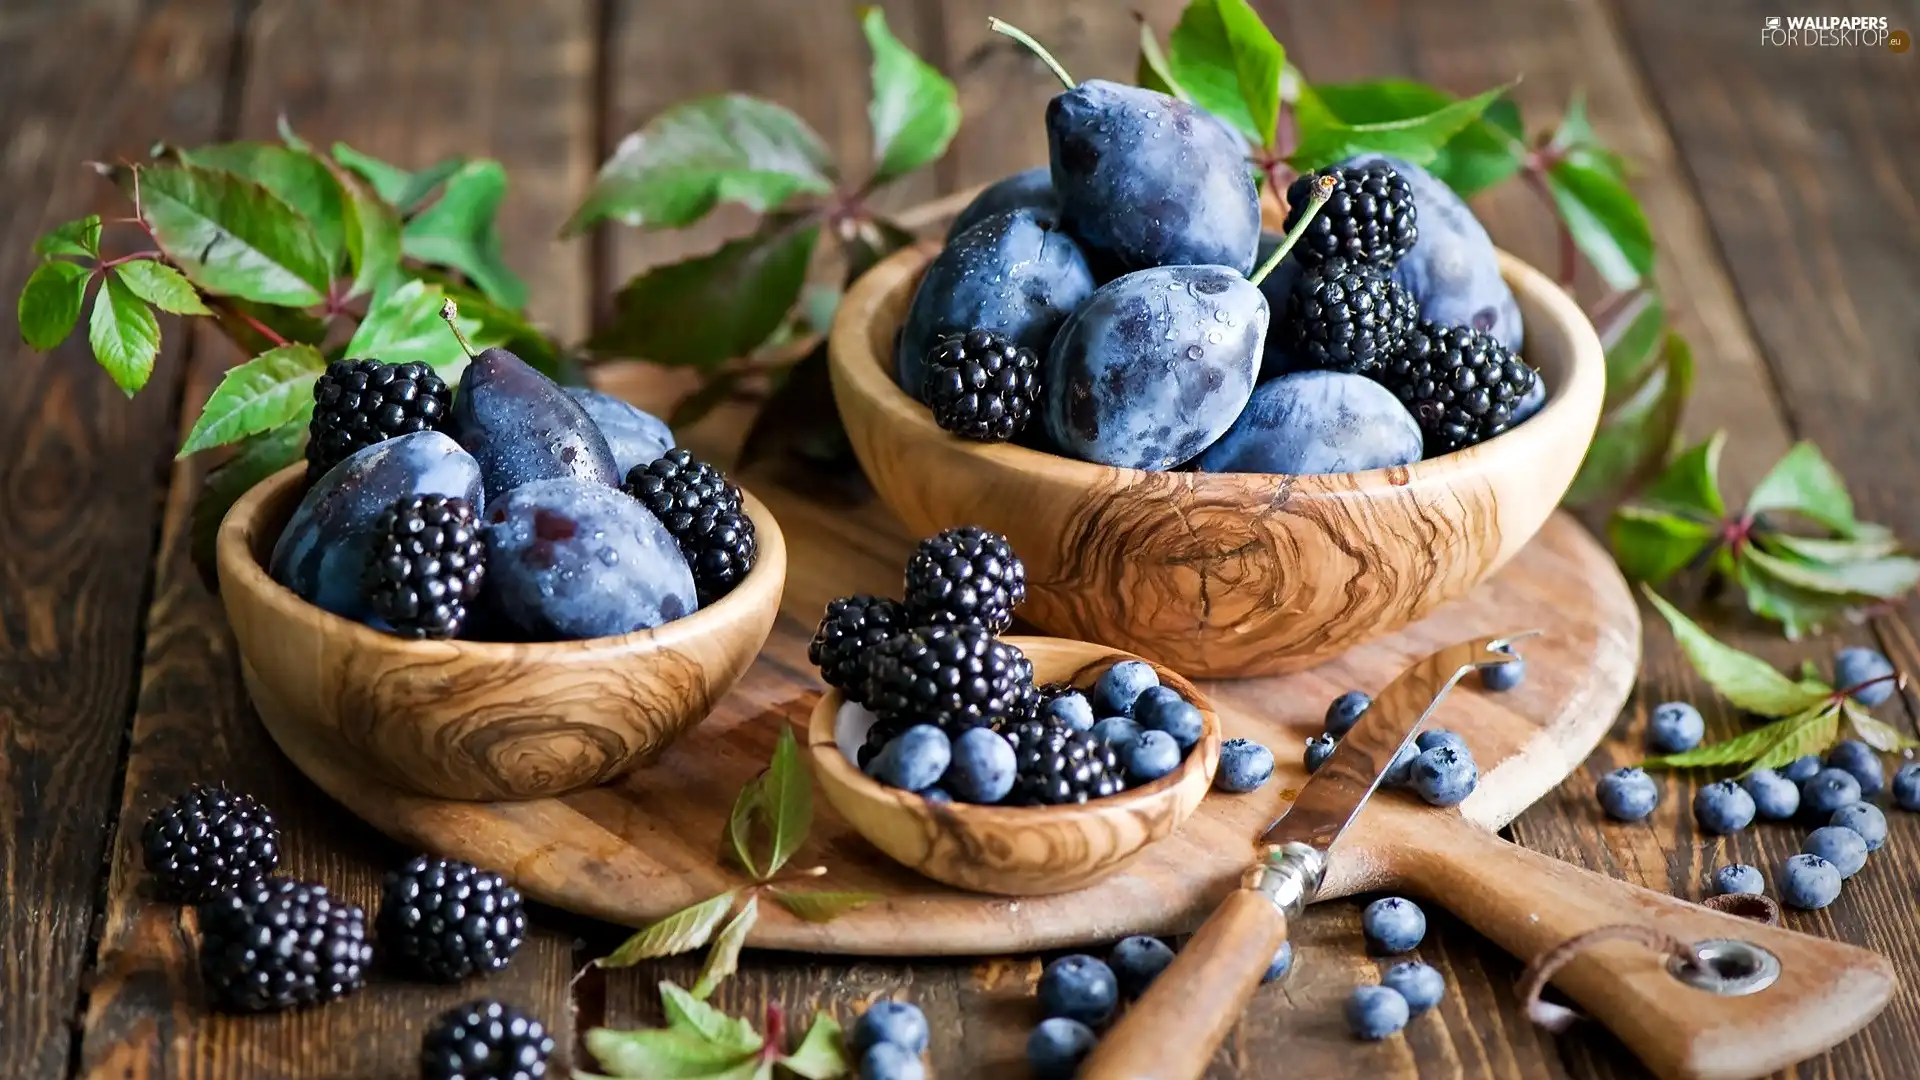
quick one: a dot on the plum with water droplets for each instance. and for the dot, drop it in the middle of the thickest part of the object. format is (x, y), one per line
(1316, 422)
(1030, 189)
(521, 426)
(636, 436)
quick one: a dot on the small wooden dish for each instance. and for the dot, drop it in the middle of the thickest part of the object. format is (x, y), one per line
(476, 719)
(1019, 850)
(1225, 574)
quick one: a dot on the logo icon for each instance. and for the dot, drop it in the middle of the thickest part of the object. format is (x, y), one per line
(1773, 22)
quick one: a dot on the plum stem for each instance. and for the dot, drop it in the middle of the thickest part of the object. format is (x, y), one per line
(1317, 198)
(451, 311)
(1038, 49)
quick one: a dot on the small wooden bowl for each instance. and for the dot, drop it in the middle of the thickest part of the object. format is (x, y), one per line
(1225, 574)
(476, 719)
(1019, 850)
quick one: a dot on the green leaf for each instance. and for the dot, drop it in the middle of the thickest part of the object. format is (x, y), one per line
(703, 152)
(163, 287)
(231, 236)
(1878, 734)
(820, 907)
(746, 806)
(1575, 136)
(1153, 71)
(372, 237)
(1880, 579)
(486, 324)
(1798, 611)
(1804, 482)
(1745, 680)
(1812, 549)
(786, 801)
(663, 1054)
(818, 1056)
(724, 958)
(1635, 435)
(1633, 342)
(1691, 483)
(1751, 746)
(50, 302)
(683, 931)
(270, 390)
(403, 190)
(80, 238)
(1605, 219)
(1653, 545)
(1486, 153)
(460, 233)
(284, 128)
(124, 333)
(715, 307)
(1326, 138)
(1809, 671)
(258, 457)
(689, 1013)
(405, 326)
(298, 178)
(1229, 61)
(1819, 728)
(915, 110)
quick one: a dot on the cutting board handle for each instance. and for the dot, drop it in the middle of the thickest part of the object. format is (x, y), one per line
(1529, 903)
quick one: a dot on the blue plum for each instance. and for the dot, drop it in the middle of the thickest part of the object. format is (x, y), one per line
(1535, 398)
(521, 426)
(1314, 422)
(636, 436)
(1029, 189)
(1017, 274)
(1147, 180)
(1154, 367)
(571, 558)
(323, 551)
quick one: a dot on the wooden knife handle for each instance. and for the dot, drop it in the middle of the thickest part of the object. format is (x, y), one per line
(1171, 1032)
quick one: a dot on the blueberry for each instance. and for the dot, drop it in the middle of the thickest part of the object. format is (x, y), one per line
(1161, 708)
(1421, 984)
(1345, 712)
(1859, 759)
(1906, 786)
(1316, 422)
(1056, 1048)
(1839, 845)
(570, 558)
(1146, 180)
(1427, 740)
(1151, 756)
(1775, 798)
(1533, 400)
(521, 427)
(1121, 685)
(1074, 708)
(937, 795)
(1244, 766)
(914, 759)
(1674, 728)
(982, 768)
(1828, 790)
(1030, 189)
(1627, 794)
(1393, 924)
(1154, 367)
(1281, 964)
(1444, 775)
(1375, 1012)
(1801, 769)
(635, 436)
(1400, 771)
(1723, 807)
(1079, 987)
(323, 550)
(885, 1061)
(1808, 881)
(1117, 732)
(1865, 819)
(1017, 274)
(1857, 665)
(1319, 749)
(1738, 878)
(1137, 961)
(1504, 677)
(896, 1022)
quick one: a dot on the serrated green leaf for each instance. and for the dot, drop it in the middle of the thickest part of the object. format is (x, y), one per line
(399, 188)
(1813, 549)
(124, 333)
(683, 931)
(914, 111)
(703, 152)
(1575, 136)
(664, 1054)
(1691, 482)
(786, 801)
(49, 306)
(232, 236)
(740, 822)
(1633, 343)
(80, 238)
(1634, 436)
(723, 959)
(1880, 579)
(459, 231)
(818, 1056)
(1230, 63)
(296, 177)
(1805, 483)
(819, 907)
(270, 390)
(405, 326)
(1605, 219)
(1486, 153)
(689, 1013)
(1652, 545)
(1740, 749)
(1814, 736)
(1152, 70)
(163, 287)
(258, 457)
(1745, 680)
(486, 324)
(1326, 138)
(1798, 611)
(711, 308)
(372, 236)
(1878, 734)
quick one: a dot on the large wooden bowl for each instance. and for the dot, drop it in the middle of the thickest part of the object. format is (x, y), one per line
(1019, 850)
(1225, 574)
(474, 719)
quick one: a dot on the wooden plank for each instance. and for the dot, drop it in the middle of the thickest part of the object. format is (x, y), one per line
(80, 470)
(533, 109)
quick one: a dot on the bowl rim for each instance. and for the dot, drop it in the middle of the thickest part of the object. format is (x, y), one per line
(824, 748)
(870, 375)
(762, 587)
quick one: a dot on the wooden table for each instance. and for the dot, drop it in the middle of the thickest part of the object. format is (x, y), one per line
(1775, 180)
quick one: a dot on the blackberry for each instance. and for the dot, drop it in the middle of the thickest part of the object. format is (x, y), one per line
(1347, 316)
(1460, 384)
(982, 386)
(361, 402)
(1055, 764)
(276, 943)
(427, 565)
(953, 677)
(965, 575)
(447, 920)
(485, 1040)
(1369, 218)
(702, 509)
(851, 627)
(207, 841)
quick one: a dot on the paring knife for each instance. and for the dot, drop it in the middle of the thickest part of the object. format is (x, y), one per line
(1171, 1032)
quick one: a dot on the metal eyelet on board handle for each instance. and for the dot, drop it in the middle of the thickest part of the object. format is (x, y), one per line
(1727, 967)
